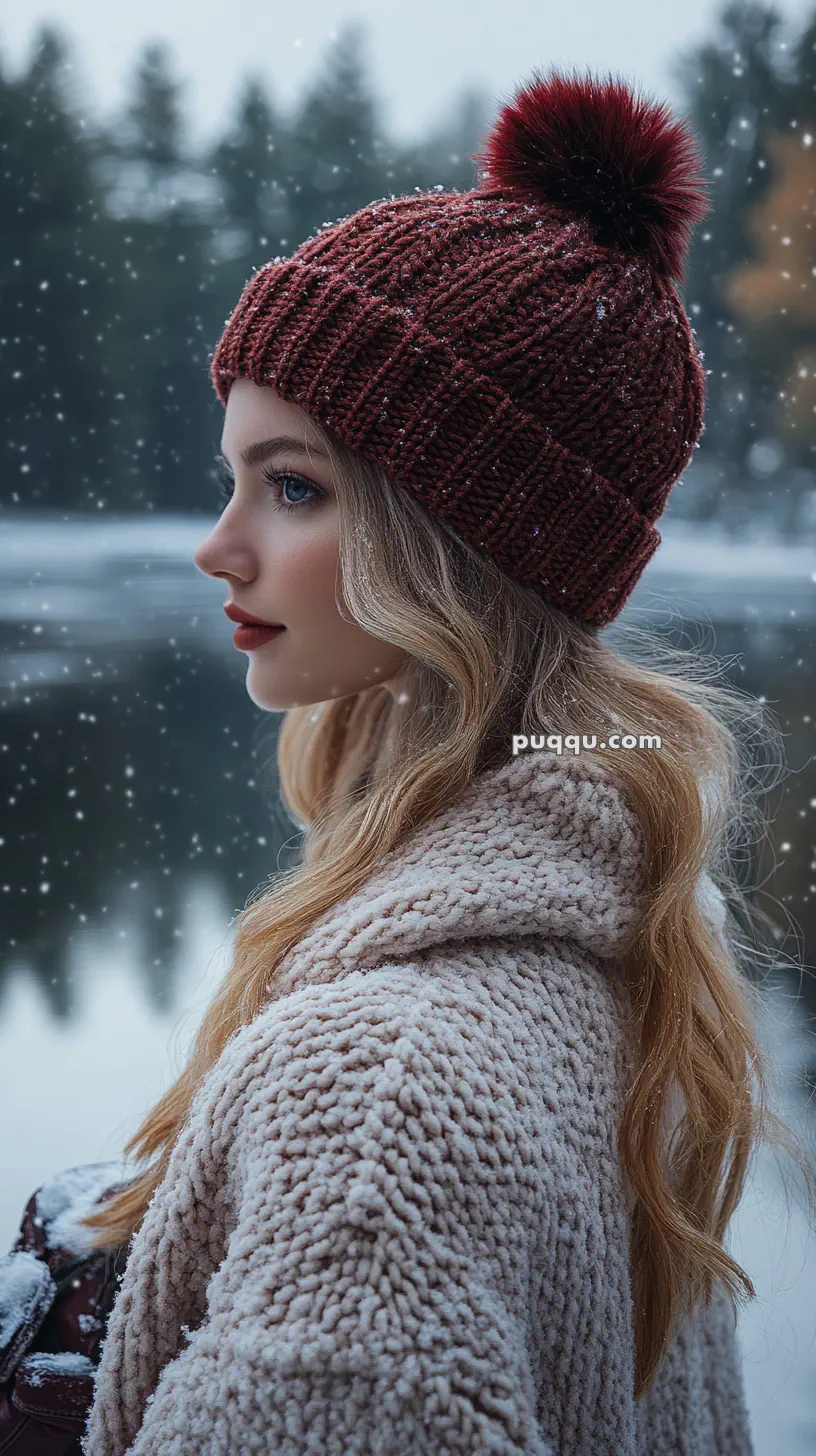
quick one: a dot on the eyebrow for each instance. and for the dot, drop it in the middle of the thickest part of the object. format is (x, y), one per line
(262, 449)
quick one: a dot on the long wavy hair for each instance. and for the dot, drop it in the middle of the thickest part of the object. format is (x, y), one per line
(486, 658)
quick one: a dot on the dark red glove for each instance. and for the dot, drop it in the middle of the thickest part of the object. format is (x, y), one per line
(55, 1299)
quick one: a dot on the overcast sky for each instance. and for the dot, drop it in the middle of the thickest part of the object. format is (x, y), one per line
(421, 52)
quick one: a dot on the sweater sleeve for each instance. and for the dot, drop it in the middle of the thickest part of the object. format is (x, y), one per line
(358, 1308)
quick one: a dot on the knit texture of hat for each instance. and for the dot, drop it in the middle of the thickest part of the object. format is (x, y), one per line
(517, 356)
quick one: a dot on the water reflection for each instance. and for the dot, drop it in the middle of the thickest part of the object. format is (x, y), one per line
(140, 809)
(115, 792)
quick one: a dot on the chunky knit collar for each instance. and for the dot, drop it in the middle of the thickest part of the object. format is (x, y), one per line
(543, 845)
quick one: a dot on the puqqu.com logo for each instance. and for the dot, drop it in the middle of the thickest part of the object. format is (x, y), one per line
(574, 742)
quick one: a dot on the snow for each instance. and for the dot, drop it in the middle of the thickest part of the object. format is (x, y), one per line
(711, 901)
(69, 1196)
(702, 573)
(26, 1286)
(34, 1367)
(711, 552)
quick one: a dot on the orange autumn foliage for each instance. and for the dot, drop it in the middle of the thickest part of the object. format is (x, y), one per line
(777, 289)
(784, 228)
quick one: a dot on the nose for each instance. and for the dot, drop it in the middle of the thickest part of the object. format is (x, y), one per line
(226, 555)
(212, 554)
(200, 557)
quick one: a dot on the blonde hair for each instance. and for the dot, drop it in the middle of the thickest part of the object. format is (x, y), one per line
(486, 659)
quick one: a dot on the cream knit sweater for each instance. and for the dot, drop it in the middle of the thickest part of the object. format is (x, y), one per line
(396, 1220)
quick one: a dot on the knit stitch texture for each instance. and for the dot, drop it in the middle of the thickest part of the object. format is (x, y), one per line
(536, 390)
(396, 1221)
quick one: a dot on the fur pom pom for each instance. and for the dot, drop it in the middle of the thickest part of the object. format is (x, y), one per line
(598, 149)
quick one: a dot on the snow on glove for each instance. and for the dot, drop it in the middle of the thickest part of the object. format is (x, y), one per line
(55, 1295)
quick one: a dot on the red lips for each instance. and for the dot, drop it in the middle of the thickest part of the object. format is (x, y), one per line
(235, 614)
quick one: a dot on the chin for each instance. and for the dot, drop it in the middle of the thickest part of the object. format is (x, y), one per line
(265, 696)
(270, 702)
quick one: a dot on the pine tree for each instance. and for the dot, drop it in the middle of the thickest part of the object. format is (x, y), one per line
(247, 164)
(737, 92)
(53, 291)
(334, 155)
(164, 211)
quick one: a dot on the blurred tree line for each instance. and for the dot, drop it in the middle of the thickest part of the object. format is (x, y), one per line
(123, 250)
(751, 280)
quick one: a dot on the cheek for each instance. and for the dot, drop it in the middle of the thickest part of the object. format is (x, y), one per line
(323, 654)
(303, 567)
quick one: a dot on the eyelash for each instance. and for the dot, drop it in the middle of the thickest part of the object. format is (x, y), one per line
(275, 479)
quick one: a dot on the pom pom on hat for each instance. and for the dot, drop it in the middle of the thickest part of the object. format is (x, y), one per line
(598, 149)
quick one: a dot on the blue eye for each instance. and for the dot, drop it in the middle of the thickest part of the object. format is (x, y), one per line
(277, 481)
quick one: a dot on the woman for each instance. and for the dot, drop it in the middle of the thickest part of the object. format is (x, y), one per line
(452, 1161)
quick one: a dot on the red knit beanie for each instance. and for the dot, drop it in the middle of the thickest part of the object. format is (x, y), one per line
(517, 356)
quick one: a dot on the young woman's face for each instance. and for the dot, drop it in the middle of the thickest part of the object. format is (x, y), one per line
(282, 565)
